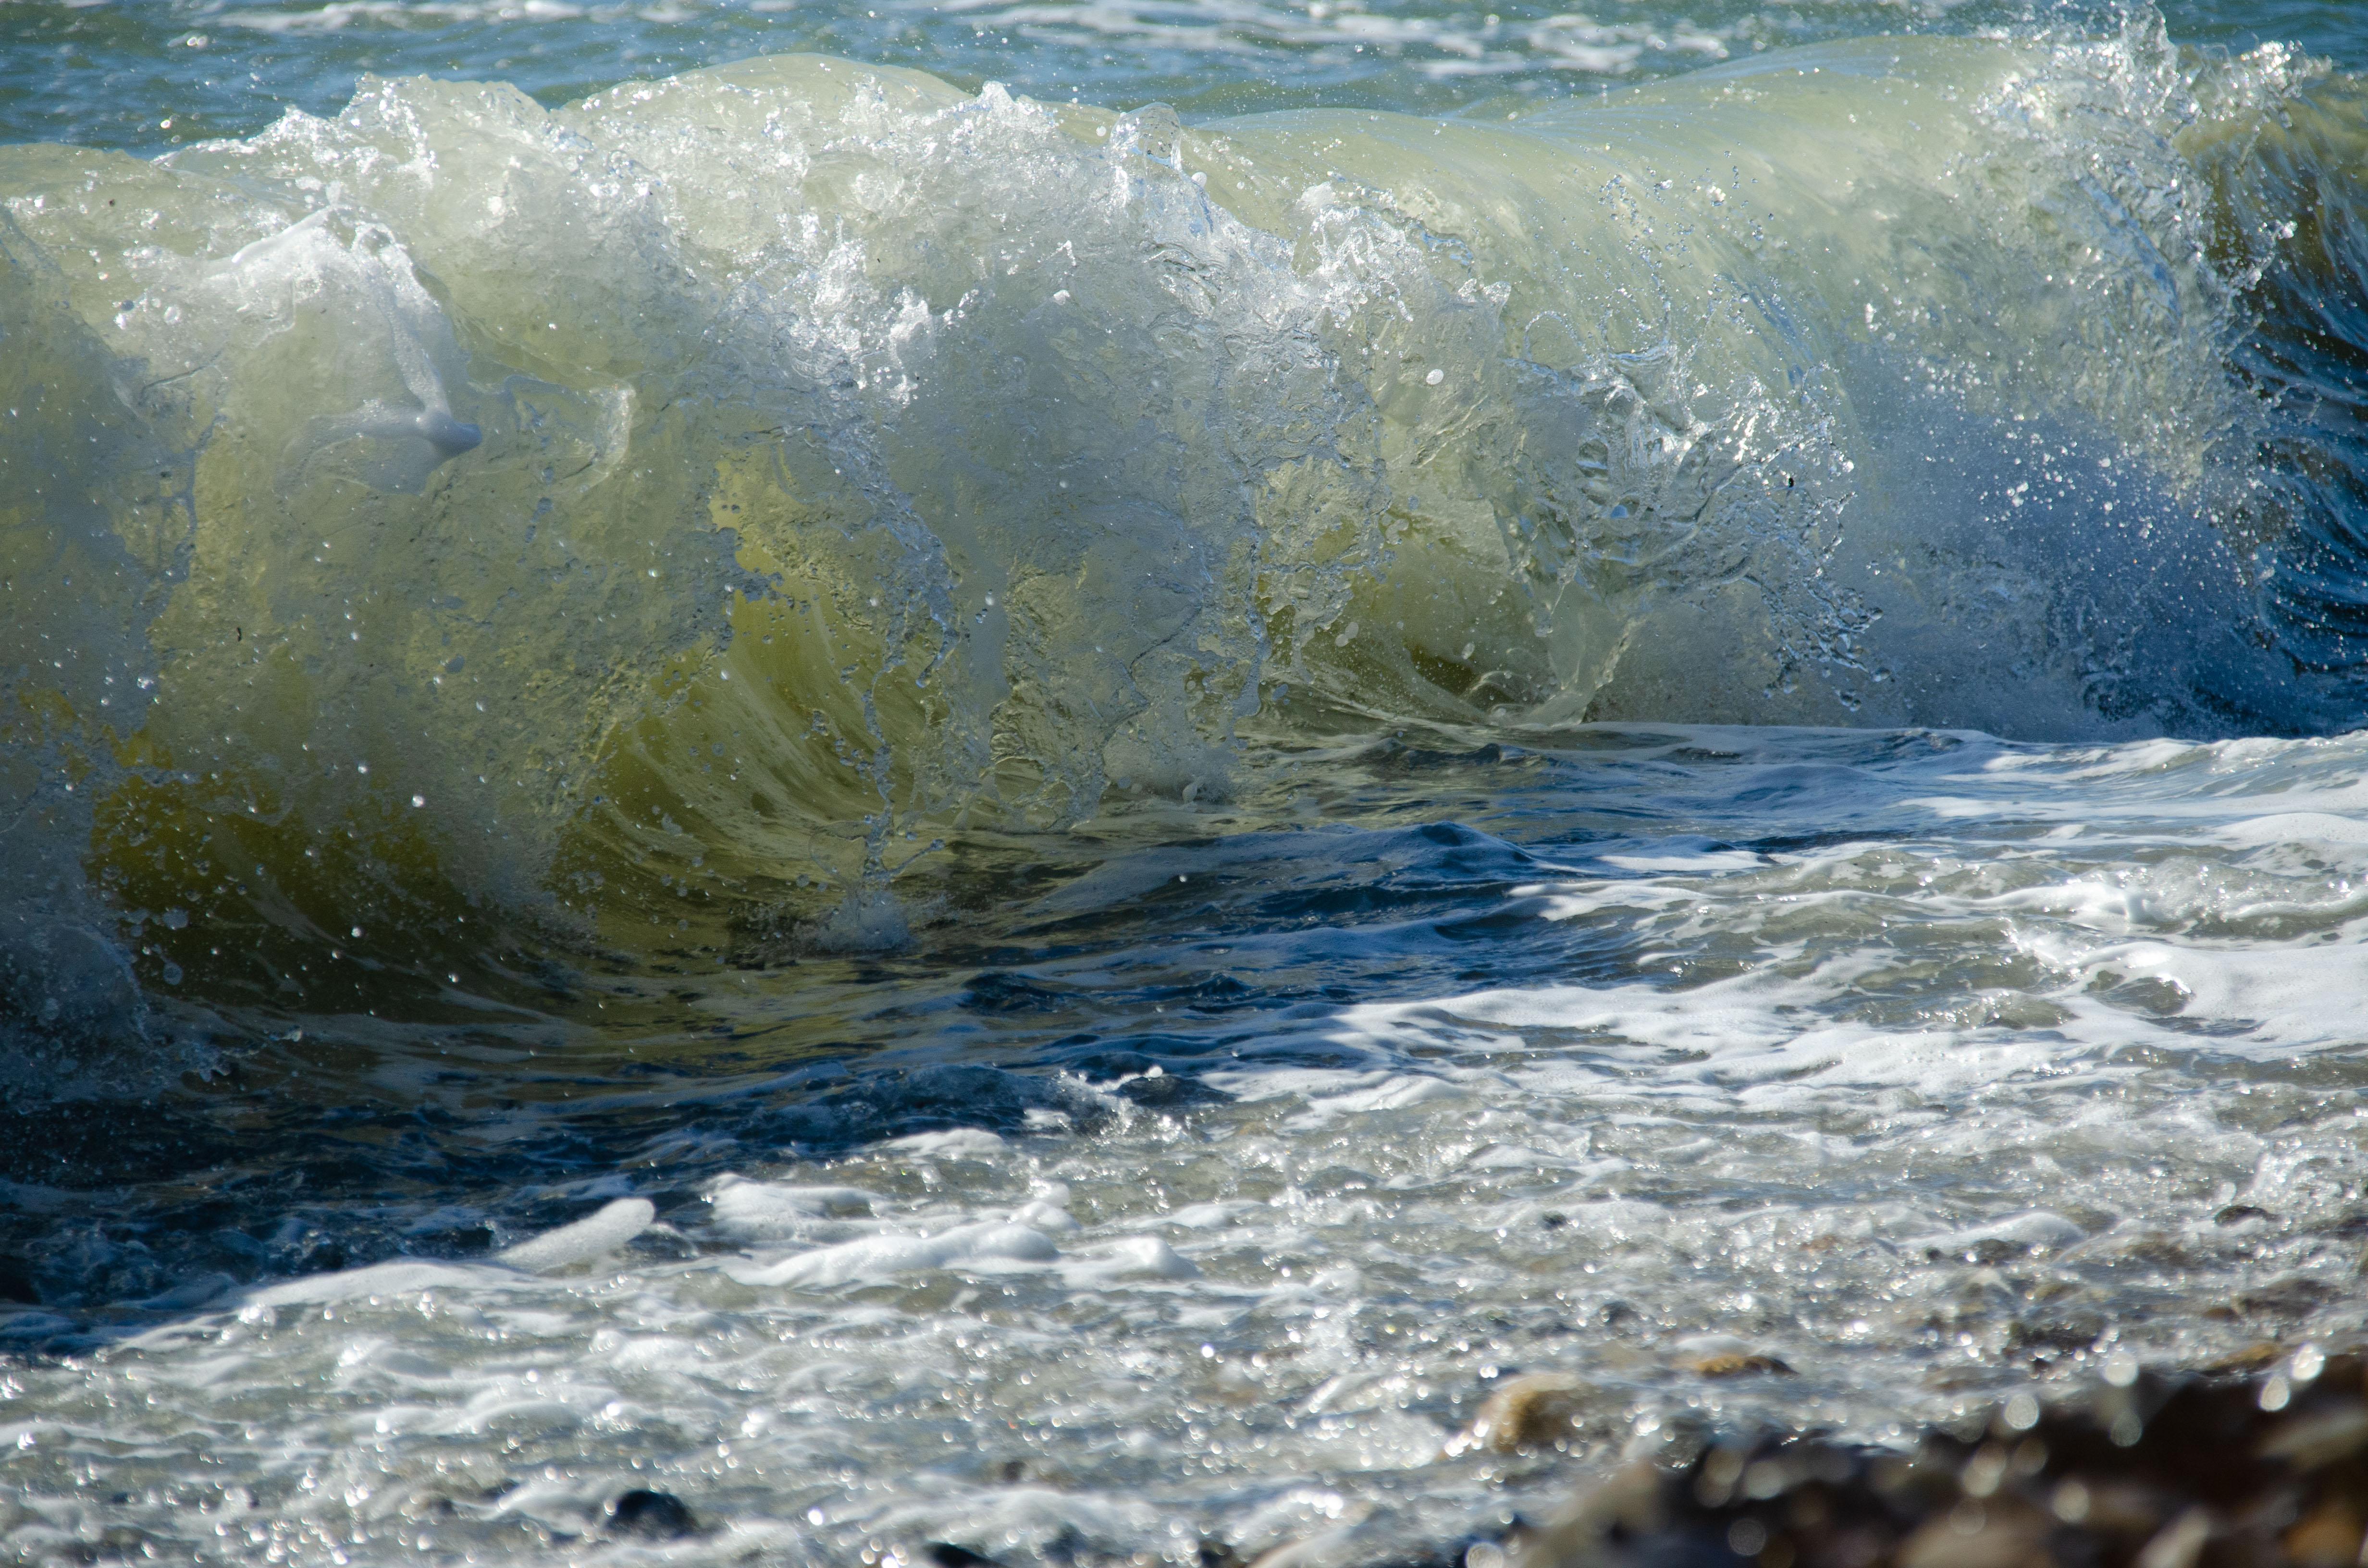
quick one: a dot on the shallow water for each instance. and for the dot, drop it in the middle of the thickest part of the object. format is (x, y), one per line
(934, 819)
(1247, 1160)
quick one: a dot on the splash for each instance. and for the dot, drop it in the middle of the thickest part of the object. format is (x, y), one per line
(459, 532)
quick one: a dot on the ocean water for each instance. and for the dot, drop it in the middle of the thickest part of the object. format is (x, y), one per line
(1024, 775)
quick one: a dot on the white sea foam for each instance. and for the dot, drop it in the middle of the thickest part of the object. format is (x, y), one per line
(594, 1236)
(890, 1253)
(1181, 1176)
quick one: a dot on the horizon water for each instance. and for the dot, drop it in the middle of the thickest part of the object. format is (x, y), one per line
(1024, 774)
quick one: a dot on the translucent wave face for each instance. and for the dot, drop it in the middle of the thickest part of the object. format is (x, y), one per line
(627, 518)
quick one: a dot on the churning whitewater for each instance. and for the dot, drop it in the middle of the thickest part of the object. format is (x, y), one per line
(747, 478)
(935, 816)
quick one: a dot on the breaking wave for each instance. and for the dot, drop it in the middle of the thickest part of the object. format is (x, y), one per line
(627, 523)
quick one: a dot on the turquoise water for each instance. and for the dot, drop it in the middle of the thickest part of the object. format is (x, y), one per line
(1027, 776)
(110, 75)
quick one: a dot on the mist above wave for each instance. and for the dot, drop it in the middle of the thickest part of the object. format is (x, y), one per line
(640, 513)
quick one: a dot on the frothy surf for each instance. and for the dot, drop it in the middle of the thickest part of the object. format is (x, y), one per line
(1853, 1132)
(894, 823)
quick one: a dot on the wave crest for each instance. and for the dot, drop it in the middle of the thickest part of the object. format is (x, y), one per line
(623, 516)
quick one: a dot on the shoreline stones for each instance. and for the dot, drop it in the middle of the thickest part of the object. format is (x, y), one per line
(1545, 1410)
(2265, 1470)
(1723, 1356)
(1534, 1411)
(1734, 1364)
(651, 1516)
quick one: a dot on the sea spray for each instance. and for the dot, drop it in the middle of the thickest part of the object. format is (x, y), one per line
(657, 520)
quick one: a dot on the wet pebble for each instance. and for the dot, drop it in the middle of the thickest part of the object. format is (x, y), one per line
(946, 1554)
(2269, 1469)
(651, 1516)
(1535, 1411)
(1721, 1355)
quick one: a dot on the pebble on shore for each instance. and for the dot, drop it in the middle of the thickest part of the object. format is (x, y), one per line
(2267, 1470)
(1535, 1411)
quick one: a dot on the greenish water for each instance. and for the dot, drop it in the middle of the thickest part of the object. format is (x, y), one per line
(1038, 815)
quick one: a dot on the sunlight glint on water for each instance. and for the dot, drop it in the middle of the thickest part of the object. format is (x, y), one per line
(934, 819)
